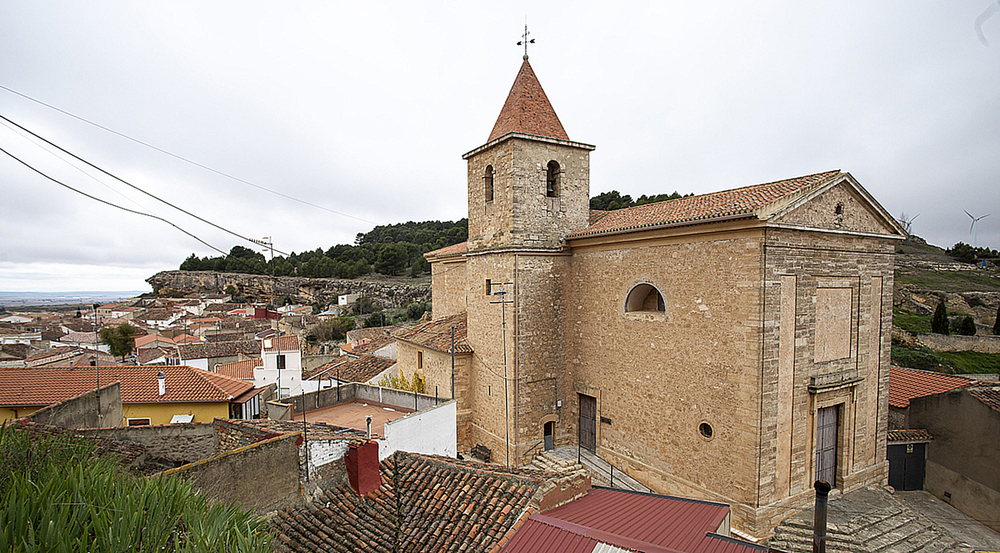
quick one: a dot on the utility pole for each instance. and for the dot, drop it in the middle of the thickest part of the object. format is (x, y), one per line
(97, 360)
(452, 361)
(503, 301)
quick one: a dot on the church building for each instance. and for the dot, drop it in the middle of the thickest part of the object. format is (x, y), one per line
(731, 347)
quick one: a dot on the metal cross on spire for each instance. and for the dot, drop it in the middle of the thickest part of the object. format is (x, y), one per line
(524, 40)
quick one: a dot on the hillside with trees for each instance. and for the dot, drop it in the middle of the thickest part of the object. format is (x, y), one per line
(387, 249)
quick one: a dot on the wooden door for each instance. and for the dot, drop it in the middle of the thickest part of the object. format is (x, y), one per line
(826, 445)
(588, 422)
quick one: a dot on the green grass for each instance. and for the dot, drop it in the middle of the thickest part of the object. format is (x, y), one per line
(950, 281)
(962, 362)
(911, 322)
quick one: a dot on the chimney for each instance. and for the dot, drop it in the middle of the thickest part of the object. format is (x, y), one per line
(362, 467)
(162, 380)
(819, 519)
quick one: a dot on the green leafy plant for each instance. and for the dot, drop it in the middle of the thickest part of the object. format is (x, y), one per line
(967, 327)
(57, 496)
(416, 384)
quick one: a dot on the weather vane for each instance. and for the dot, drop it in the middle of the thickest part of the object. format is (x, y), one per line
(524, 39)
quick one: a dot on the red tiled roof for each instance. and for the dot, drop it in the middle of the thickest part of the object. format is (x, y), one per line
(142, 341)
(239, 369)
(218, 349)
(906, 384)
(288, 343)
(909, 435)
(454, 249)
(436, 334)
(148, 355)
(738, 201)
(425, 503)
(362, 369)
(988, 394)
(36, 387)
(373, 345)
(527, 109)
(636, 521)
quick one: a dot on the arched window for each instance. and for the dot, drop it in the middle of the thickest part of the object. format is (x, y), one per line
(644, 298)
(488, 180)
(552, 179)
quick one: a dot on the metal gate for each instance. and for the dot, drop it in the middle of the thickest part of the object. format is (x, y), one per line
(906, 466)
(826, 445)
(588, 422)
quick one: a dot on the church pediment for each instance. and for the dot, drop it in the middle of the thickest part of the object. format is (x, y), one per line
(842, 205)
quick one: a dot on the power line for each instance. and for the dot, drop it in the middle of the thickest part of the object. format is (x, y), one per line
(181, 158)
(134, 187)
(105, 202)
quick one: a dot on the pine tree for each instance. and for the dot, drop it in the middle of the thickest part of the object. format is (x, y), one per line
(996, 325)
(939, 324)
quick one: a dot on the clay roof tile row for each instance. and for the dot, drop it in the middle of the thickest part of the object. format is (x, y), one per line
(38, 387)
(425, 503)
(436, 334)
(907, 384)
(735, 202)
(362, 369)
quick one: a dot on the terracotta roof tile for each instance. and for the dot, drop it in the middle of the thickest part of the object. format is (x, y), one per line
(373, 345)
(909, 435)
(242, 370)
(738, 201)
(988, 394)
(906, 384)
(527, 109)
(454, 249)
(288, 343)
(37, 387)
(425, 503)
(436, 334)
(362, 369)
(218, 349)
(317, 431)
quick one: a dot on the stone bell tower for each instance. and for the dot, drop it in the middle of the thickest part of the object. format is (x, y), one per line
(529, 185)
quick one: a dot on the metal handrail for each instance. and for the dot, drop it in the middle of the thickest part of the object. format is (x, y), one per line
(621, 471)
(530, 449)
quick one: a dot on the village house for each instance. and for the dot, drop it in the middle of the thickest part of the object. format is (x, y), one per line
(149, 395)
(731, 347)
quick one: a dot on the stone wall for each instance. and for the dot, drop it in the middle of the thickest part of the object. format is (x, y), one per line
(263, 476)
(169, 444)
(437, 374)
(521, 214)
(657, 376)
(941, 342)
(82, 411)
(300, 289)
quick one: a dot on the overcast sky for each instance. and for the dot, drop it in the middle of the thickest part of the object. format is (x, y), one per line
(365, 110)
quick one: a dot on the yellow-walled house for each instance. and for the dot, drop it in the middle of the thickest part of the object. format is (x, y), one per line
(150, 395)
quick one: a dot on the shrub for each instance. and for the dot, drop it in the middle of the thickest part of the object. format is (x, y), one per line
(967, 327)
(939, 323)
(996, 324)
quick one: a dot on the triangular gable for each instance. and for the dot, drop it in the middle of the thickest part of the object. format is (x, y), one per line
(841, 204)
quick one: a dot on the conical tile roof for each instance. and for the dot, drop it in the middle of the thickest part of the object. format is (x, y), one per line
(527, 109)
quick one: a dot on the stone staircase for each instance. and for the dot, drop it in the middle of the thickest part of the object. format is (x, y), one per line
(890, 528)
(565, 458)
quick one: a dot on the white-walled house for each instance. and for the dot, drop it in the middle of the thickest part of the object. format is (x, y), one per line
(282, 365)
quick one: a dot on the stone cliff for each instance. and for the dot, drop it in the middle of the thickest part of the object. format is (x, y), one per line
(299, 289)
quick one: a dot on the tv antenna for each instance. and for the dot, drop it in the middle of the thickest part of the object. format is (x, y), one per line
(972, 229)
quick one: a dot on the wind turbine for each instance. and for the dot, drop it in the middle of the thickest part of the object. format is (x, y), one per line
(972, 229)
